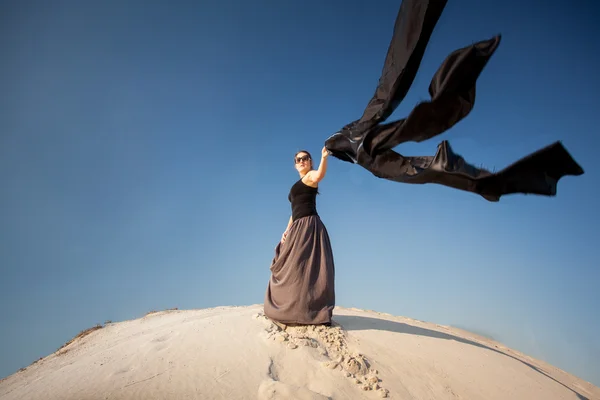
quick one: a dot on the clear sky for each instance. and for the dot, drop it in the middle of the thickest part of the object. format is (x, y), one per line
(146, 157)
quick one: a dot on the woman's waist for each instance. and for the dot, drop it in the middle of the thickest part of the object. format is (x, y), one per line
(301, 212)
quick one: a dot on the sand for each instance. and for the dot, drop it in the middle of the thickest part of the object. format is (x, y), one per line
(237, 353)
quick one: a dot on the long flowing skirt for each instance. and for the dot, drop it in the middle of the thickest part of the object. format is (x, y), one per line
(301, 287)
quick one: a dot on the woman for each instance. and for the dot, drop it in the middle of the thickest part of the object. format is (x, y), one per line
(301, 287)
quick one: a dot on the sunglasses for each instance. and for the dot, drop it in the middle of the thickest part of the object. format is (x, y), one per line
(300, 159)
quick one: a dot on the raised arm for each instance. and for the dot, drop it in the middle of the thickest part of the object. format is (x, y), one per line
(318, 175)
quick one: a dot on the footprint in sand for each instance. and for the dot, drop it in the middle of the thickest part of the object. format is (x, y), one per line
(330, 343)
(161, 342)
(162, 338)
(274, 390)
(121, 371)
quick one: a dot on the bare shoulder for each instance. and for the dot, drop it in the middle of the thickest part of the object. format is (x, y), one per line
(309, 179)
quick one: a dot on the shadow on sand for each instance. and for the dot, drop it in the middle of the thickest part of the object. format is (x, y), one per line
(355, 323)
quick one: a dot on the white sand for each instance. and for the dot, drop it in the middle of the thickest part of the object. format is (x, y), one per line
(236, 353)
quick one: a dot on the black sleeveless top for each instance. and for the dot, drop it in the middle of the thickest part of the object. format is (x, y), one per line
(303, 199)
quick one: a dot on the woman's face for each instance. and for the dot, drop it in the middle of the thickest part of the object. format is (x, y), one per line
(302, 161)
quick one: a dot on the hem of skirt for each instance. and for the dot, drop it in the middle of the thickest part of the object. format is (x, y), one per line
(296, 323)
(327, 321)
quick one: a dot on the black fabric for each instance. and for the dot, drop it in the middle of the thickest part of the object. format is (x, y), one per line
(368, 141)
(303, 199)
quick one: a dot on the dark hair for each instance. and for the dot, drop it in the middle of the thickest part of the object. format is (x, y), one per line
(303, 151)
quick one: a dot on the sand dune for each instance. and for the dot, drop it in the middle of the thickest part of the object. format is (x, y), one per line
(236, 353)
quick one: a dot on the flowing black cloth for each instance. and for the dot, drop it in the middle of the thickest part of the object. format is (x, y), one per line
(369, 142)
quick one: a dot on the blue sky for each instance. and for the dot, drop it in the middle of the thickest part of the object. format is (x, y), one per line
(146, 157)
